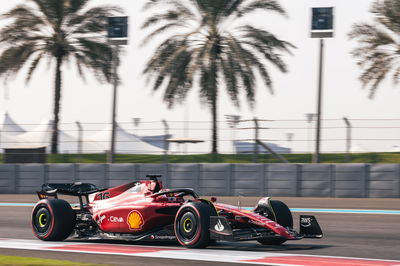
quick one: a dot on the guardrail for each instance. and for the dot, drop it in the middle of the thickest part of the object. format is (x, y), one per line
(292, 180)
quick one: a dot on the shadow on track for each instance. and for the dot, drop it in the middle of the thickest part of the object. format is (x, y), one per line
(254, 246)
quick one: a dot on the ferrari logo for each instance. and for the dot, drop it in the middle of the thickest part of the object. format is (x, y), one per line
(135, 220)
(219, 226)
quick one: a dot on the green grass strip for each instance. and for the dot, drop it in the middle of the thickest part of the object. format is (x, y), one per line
(27, 261)
(373, 157)
(383, 157)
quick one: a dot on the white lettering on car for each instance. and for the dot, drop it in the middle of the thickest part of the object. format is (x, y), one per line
(114, 219)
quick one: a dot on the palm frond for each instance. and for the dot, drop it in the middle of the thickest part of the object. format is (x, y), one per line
(267, 45)
(97, 56)
(74, 6)
(93, 20)
(231, 82)
(179, 14)
(247, 7)
(14, 58)
(25, 16)
(33, 65)
(179, 81)
(387, 13)
(160, 30)
(25, 26)
(378, 50)
(53, 11)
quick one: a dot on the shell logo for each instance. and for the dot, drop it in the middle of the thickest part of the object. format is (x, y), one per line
(135, 220)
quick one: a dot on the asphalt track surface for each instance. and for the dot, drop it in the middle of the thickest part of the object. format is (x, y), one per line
(374, 236)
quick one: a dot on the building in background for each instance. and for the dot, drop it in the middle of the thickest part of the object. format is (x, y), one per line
(248, 147)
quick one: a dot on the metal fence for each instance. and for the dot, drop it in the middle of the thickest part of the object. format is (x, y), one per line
(292, 180)
(288, 136)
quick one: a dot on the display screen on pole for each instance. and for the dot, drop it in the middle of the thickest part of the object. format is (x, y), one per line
(322, 22)
(322, 18)
(117, 27)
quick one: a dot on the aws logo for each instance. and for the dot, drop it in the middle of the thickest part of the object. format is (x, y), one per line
(135, 220)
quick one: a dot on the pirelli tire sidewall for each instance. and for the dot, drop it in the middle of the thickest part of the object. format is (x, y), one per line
(52, 220)
(192, 225)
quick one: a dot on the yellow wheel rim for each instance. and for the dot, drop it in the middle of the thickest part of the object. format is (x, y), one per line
(187, 225)
(42, 221)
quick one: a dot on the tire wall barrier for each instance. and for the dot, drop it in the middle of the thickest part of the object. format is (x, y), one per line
(291, 180)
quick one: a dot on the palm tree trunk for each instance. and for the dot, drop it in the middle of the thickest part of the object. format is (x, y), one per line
(214, 124)
(214, 97)
(56, 111)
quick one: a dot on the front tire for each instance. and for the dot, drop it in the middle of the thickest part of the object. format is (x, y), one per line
(282, 216)
(192, 224)
(52, 220)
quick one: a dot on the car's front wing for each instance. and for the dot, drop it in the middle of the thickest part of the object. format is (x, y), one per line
(220, 229)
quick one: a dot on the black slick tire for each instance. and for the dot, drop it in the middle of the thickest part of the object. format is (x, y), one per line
(192, 224)
(52, 220)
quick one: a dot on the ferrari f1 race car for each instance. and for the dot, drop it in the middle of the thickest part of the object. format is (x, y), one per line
(143, 210)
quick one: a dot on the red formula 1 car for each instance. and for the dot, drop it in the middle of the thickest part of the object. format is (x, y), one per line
(143, 210)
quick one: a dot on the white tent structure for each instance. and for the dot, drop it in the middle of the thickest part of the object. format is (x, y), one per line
(9, 130)
(125, 143)
(12, 136)
(9, 141)
(9, 127)
(40, 136)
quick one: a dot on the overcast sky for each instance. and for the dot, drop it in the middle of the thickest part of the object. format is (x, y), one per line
(295, 91)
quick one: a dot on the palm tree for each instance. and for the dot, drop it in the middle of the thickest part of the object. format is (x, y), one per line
(61, 31)
(378, 53)
(203, 49)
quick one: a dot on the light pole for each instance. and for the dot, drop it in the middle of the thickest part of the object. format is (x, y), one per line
(316, 158)
(321, 27)
(348, 138)
(117, 35)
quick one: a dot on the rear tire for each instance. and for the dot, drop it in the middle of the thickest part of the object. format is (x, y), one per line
(52, 220)
(284, 217)
(192, 224)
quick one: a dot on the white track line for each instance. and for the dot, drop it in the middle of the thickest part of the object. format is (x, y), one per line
(213, 255)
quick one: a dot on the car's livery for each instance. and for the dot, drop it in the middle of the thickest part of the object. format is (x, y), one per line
(143, 210)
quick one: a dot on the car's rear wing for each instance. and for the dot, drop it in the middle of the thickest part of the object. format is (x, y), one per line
(78, 189)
